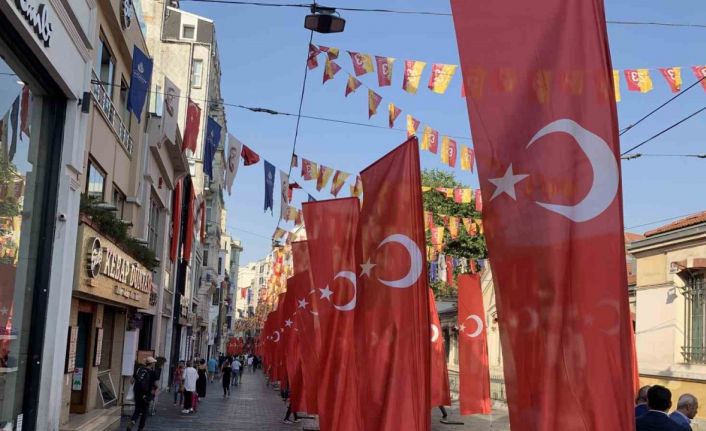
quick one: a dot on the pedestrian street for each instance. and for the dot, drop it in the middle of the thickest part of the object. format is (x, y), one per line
(254, 406)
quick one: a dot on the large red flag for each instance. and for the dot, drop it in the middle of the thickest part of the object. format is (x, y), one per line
(392, 313)
(176, 221)
(291, 343)
(191, 130)
(189, 234)
(474, 374)
(440, 393)
(558, 261)
(331, 227)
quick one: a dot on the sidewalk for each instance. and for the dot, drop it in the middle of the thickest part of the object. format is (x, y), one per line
(252, 406)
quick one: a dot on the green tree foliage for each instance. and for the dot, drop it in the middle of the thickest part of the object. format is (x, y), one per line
(471, 247)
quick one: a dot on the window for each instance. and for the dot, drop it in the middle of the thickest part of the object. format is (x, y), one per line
(153, 225)
(124, 89)
(188, 31)
(196, 73)
(119, 202)
(205, 258)
(694, 290)
(95, 182)
(215, 298)
(157, 100)
(105, 67)
(107, 342)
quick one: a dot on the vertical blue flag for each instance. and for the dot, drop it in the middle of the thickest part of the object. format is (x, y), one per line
(213, 138)
(139, 82)
(269, 185)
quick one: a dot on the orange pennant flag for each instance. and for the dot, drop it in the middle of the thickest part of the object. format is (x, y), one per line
(616, 84)
(332, 53)
(700, 72)
(384, 70)
(324, 175)
(412, 125)
(352, 84)
(673, 77)
(448, 151)
(430, 140)
(471, 229)
(440, 78)
(479, 223)
(310, 169)
(312, 62)
(394, 113)
(374, 100)
(412, 75)
(331, 68)
(339, 178)
(453, 227)
(638, 80)
(437, 237)
(357, 188)
(463, 196)
(467, 156)
(428, 220)
(362, 63)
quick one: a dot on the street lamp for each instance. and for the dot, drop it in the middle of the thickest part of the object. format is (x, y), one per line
(323, 20)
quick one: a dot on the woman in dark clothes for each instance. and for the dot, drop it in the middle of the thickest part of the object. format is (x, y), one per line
(202, 380)
(226, 372)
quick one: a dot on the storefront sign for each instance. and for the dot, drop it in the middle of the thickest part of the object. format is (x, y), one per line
(77, 381)
(71, 349)
(37, 17)
(111, 273)
(98, 353)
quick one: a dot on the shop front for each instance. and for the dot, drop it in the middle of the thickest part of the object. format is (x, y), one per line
(104, 330)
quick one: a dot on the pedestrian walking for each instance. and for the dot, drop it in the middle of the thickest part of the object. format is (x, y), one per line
(144, 386)
(242, 368)
(212, 367)
(202, 380)
(190, 377)
(250, 364)
(178, 383)
(235, 366)
(226, 374)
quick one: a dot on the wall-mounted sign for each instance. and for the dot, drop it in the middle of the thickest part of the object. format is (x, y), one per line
(108, 272)
(77, 380)
(126, 13)
(98, 349)
(37, 17)
(71, 349)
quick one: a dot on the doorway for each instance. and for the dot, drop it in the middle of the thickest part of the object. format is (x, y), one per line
(80, 378)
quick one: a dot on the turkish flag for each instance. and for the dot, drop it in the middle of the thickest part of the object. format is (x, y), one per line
(249, 156)
(392, 310)
(307, 324)
(440, 393)
(331, 227)
(191, 130)
(176, 221)
(189, 234)
(279, 371)
(558, 259)
(290, 342)
(474, 375)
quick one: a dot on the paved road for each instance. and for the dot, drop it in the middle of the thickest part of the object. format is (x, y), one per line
(254, 407)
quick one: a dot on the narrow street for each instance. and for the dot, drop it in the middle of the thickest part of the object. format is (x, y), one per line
(253, 406)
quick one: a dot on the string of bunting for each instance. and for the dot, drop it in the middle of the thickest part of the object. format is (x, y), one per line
(572, 82)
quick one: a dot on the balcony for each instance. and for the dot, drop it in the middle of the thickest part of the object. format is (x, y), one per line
(102, 99)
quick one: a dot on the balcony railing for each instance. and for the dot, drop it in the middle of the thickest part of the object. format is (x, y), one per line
(102, 99)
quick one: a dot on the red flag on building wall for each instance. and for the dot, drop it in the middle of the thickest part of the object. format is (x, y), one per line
(249, 156)
(474, 374)
(440, 393)
(392, 320)
(546, 249)
(176, 220)
(191, 130)
(331, 227)
(189, 234)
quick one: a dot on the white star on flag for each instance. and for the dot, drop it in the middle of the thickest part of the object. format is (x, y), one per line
(288, 323)
(326, 293)
(303, 303)
(366, 268)
(506, 183)
(462, 328)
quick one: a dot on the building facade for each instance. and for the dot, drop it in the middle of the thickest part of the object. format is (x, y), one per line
(671, 307)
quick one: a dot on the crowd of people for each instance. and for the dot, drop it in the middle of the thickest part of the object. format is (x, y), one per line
(652, 407)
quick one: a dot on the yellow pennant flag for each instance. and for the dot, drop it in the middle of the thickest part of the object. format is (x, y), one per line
(394, 112)
(479, 223)
(425, 189)
(448, 152)
(467, 156)
(440, 78)
(352, 84)
(430, 140)
(412, 75)
(412, 125)
(292, 214)
(362, 63)
(324, 175)
(468, 224)
(437, 237)
(453, 227)
(374, 100)
(616, 84)
(463, 196)
(338, 180)
(357, 188)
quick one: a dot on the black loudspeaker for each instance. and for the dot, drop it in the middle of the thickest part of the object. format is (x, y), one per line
(86, 102)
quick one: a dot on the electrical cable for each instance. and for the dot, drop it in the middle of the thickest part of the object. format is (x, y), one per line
(638, 155)
(663, 131)
(663, 220)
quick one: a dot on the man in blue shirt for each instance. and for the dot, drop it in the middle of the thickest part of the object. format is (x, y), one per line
(641, 401)
(659, 401)
(212, 367)
(687, 407)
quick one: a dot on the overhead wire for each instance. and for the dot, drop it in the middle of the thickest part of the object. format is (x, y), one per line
(663, 220)
(663, 131)
(638, 155)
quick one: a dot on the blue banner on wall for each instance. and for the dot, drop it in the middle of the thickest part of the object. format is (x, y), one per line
(139, 82)
(269, 185)
(213, 138)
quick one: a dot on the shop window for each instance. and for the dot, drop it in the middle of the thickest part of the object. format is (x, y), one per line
(95, 182)
(145, 338)
(119, 202)
(153, 225)
(694, 291)
(105, 67)
(196, 73)
(107, 342)
(188, 31)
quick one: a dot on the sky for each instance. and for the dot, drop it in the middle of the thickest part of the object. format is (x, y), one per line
(263, 51)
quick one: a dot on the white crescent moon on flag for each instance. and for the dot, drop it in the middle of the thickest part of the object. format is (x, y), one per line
(479, 325)
(350, 276)
(311, 292)
(415, 264)
(277, 340)
(434, 333)
(603, 163)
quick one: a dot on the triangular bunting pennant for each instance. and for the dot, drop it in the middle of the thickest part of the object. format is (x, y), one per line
(310, 170)
(412, 125)
(331, 68)
(374, 100)
(324, 175)
(394, 112)
(440, 78)
(352, 84)
(339, 178)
